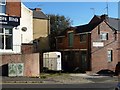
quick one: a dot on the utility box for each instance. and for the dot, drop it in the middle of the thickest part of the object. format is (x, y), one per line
(52, 61)
(15, 69)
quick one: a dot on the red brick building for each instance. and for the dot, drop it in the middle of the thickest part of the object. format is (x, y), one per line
(91, 47)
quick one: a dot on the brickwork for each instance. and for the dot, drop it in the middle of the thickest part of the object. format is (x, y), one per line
(99, 54)
(76, 42)
(31, 63)
(27, 48)
(13, 8)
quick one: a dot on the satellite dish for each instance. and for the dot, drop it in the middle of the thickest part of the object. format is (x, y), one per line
(24, 29)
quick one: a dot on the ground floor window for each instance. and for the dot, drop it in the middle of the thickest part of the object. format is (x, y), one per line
(6, 38)
(109, 52)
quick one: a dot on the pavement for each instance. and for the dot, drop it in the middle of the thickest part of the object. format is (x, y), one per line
(60, 79)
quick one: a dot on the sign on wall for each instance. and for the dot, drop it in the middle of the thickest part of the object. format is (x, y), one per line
(9, 20)
(98, 44)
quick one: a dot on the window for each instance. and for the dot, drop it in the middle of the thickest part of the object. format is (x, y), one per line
(5, 38)
(103, 36)
(2, 6)
(109, 52)
(83, 37)
(70, 39)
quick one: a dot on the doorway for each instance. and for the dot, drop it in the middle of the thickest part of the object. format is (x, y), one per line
(84, 60)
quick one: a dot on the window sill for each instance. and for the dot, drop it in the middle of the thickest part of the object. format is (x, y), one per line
(7, 51)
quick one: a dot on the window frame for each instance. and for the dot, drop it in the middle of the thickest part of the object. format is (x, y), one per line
(81, 41)
(102, 37)
(5, 35)
(4, 5)
(70, 42)
(110, 55)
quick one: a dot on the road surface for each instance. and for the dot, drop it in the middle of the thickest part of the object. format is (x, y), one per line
(87, 86)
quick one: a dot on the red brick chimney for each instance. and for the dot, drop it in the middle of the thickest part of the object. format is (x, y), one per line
(37, 9)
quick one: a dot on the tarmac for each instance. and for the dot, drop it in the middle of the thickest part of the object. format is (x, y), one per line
(60, 79)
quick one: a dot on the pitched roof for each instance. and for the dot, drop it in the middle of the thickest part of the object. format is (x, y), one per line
(39, 14)
(96, 20)
(114, 23)
(86, 28)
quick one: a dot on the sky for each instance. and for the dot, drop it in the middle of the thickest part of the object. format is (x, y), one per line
(79, 12)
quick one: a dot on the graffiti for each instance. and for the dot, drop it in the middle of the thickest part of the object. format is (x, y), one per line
(16, 69)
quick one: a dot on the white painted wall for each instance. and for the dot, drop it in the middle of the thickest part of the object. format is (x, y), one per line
(20, 36)
(16, 40)
(26, 21)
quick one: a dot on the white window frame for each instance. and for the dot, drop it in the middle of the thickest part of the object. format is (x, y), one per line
(1, 4)
(103, 36)
(110, 55)
(4, 34)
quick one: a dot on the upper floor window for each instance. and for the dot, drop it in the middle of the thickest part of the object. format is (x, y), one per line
(2, 6)
(83, 37)
(70, 39)
(103, 36)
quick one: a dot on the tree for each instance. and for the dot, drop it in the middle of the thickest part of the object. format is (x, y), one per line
(57, 25)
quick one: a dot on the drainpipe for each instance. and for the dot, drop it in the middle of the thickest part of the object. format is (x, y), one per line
(48, 25)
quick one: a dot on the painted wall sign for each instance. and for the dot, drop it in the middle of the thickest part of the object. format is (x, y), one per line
(9, 20)
(98, 44)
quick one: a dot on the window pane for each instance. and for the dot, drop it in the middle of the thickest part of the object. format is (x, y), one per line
(109, 55)
(1, 42)
(8, 41)
(1, 30)
(83, 37)
(8, 31)
(2, 1)
(104, 36)
(2, 9)
(70, 36)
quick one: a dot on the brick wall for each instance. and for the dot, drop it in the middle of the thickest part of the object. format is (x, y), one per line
(99, 54)
(76, 42)
(118, 46)
(31, 63)
(13, 8)
(27, 48)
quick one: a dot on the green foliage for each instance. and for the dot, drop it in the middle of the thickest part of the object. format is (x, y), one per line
(59, 23)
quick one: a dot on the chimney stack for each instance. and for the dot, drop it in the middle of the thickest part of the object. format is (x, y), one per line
(37, 9)
(104, 16)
